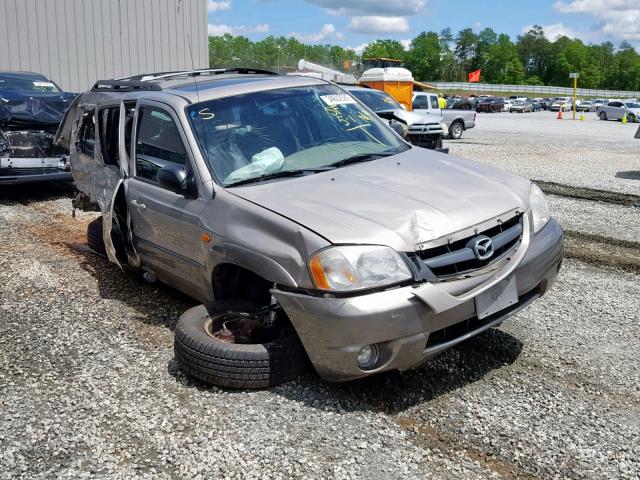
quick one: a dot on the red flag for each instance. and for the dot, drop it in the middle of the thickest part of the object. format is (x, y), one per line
(474, 77)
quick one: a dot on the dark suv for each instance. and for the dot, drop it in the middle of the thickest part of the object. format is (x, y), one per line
(491, 104)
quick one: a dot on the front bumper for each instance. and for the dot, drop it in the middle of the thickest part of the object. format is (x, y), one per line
(409, 324)
(27, 170)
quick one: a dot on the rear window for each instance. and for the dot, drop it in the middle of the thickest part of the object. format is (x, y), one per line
(19, 84)
(375, 100)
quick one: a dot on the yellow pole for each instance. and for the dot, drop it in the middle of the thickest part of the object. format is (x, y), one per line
(575, 88)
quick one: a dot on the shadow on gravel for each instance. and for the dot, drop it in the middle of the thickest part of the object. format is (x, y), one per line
(35, 192)
(393, 392)
(157, 304)
(629, 175)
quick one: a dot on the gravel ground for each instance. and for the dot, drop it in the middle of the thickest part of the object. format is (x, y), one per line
(592, 153)
(615, 221)
(89, 387)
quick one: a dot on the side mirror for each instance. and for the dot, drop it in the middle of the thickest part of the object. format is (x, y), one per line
(173, 178)
(400, 128)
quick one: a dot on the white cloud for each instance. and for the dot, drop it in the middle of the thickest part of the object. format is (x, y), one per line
(325, 32)
(614, 18)
(554, 31)
(595, 6)
(392, 8)
(406, 44)
(215, 6)
(220, 29)
(360, 48)
(378, 24)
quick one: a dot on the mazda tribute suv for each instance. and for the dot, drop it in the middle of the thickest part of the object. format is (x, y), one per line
(311, 232)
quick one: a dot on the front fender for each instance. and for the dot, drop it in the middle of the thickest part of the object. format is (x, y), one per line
(257, 263)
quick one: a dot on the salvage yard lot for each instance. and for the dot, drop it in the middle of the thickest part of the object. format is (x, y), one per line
(89, 386)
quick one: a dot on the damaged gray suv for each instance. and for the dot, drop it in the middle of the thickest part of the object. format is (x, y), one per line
(310, 231)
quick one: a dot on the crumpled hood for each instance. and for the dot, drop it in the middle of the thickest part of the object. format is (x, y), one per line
(29, 108)
(399, 201)
(415, 118)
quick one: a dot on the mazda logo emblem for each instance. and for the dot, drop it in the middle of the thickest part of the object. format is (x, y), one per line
(482, 247)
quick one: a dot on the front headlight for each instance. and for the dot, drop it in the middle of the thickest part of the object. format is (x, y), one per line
(350, 268)
(539, 208)
(445, 129)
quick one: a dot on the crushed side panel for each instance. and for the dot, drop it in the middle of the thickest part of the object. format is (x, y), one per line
(91, 175)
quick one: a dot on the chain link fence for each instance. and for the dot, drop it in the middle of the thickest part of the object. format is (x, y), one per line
(536, 90)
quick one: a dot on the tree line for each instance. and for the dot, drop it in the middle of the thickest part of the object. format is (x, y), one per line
(532, 59)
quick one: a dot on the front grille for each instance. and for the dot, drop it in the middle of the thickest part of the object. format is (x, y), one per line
(458, 258)
(425, 128)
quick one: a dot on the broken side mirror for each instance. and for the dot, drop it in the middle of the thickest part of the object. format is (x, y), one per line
(400, 128)
(173, 178)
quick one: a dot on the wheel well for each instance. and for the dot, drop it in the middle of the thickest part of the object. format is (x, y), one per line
(233, 282)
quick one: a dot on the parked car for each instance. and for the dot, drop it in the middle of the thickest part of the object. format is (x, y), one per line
(457, 120)
(421, 129)
(309, 230)
(536, 106)
(545, 103)
(560, 105)
(584, 106)
(507, 105)
(31, 107)
(463, 104)
(520, 106)
(491, 104)
(616, 110)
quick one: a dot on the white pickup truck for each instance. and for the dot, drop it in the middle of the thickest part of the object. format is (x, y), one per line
(457, 120)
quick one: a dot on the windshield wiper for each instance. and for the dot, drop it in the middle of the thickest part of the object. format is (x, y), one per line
(280, 174)
(361, 157)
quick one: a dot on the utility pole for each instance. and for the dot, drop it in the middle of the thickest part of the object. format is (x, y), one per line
(575, 76)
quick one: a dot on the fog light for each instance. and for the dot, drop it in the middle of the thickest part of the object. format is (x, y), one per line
(367, 356)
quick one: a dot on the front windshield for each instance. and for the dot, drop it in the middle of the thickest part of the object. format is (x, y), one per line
(632, 105)
(376, 100)
(27, 85)
(262, 133)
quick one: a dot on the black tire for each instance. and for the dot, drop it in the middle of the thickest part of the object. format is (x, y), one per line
(631, 118)
(96, 243)
(455, 130)
(602, 115)
(235, 365)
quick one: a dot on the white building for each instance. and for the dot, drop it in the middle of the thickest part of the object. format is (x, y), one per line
(76, 42)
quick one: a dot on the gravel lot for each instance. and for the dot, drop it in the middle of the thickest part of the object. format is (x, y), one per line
(89, 387)
(597, 218)
(593, 153)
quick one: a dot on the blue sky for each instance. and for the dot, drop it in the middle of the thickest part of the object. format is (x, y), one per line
(354, 23)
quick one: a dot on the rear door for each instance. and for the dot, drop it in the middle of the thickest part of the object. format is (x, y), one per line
(615, 110)
(166, 225)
